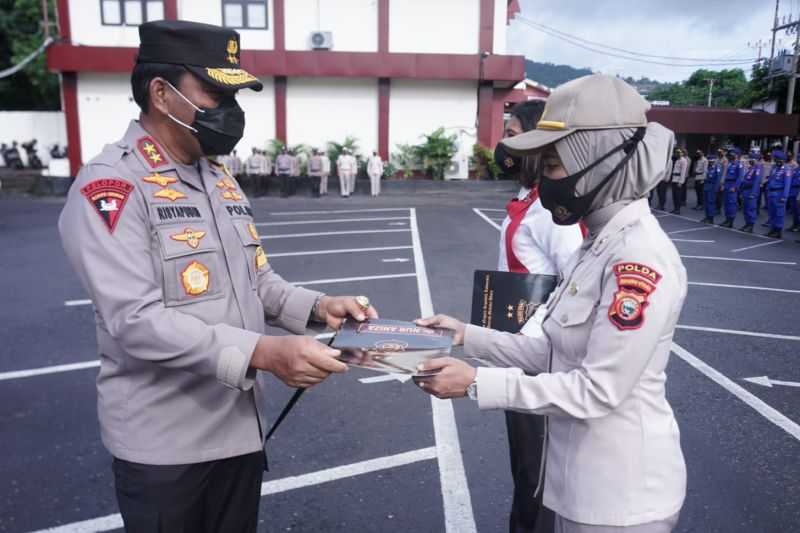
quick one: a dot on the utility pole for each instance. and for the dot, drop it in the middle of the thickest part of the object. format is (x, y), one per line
(710, 82)
(772, 50)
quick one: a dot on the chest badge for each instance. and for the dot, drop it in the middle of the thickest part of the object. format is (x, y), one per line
(169, 194)
(253, 231)
(160, 180)
(189, 236)
(195, 278)
(261, 258)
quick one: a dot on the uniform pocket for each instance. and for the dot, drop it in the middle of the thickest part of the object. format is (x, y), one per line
(255, 255)
(191, 265)
(574, 316)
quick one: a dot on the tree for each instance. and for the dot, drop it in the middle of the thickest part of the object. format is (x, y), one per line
(21, 33)
(731, 89)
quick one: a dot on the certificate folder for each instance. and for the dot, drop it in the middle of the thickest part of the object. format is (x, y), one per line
(390, 346)
(506, 300)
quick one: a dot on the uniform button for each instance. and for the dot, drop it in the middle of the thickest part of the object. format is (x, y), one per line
(573, 289)
(564, 318)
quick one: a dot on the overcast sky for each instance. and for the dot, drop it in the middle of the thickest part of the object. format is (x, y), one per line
(681, 28)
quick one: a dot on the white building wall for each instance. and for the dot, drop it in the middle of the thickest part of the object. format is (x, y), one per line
(499, 30)
(87, 28)
(319, 110)
(440, 26)
(210, 12)
(418, 107)
(354, 23)
(47, 127)
(105, 107)
(259, 111)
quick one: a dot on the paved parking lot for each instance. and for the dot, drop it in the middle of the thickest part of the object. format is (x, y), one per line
(361, 454)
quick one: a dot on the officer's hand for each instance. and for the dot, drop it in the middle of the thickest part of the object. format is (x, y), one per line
(447, 322)
(296, 360)
(334, 309)
(451, 380)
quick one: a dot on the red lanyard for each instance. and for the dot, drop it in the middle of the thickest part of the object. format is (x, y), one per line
(516, 210)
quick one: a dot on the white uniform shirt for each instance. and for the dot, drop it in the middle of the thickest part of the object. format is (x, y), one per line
(540, 244)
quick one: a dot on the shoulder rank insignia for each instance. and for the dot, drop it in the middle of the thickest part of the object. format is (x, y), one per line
(189, 236)
(253, 231)
(108, 197)
(635, 283)
(151, 152)
(261, 258)
(226, 183)
(169, 194)
(230, 195)
(160, 180)
(195, 278)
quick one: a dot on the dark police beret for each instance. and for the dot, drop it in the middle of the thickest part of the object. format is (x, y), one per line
(209, 52)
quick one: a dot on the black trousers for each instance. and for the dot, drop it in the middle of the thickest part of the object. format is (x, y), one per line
(207, 497)
(677, 195)
(698, 190)
(288, 186)
(525, 443)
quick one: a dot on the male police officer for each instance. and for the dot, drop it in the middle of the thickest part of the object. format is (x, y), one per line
(699, 173)
(732, 180)
(164, 242)
(750, 188)
(778, 186)
(710, 188)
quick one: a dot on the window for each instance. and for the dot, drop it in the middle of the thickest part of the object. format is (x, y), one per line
(130, 12)
(245, 14)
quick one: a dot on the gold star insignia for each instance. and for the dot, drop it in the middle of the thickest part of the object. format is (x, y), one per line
(261, 257)
(253, 231)
(169, 194)
(189, 236)
(149, 148)
(226, 184)
(158, 179)
(155, 158)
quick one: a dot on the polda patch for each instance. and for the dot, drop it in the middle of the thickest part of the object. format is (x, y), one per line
(635, 283)
(108, 196)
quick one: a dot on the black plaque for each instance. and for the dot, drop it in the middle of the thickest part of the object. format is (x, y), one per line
(506, 300)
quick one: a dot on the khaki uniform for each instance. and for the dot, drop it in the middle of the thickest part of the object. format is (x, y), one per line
(170, 256)
(375, 171)
(316, 170)
(613, 455)
(346, 168)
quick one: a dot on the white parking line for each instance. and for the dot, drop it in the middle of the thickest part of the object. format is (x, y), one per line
(775, 241)
(458, 515)
(740, 332)
(487, 219)
(347, 280)
(712, 258)
(747, 287)
(689, 230)
(17, 374)
(340, 251)
(692, 240)
(73, 303)
(490, 209)
(329, 221)
(770, 413)
(114, 521)
(287, 213)
(328, 233)
(757, 235)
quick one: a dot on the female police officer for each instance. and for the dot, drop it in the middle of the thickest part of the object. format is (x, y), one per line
(613, 456)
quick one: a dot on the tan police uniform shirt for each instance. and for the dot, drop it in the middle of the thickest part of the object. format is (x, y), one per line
(613, 452)
(181, 287)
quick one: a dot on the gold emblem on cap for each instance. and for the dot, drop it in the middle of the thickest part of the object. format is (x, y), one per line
(230, 76)
(195, 278)
(261, 258)
(169, 194)
(189, 236)
(160, 180)
(232, 49)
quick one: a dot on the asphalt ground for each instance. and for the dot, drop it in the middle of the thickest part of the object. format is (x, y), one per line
(380, 455)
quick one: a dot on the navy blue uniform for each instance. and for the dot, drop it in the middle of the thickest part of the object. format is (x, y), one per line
(750, 188)
(778, 186)
(710, 188)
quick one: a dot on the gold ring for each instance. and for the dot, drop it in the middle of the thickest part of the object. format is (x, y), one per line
(363, 302)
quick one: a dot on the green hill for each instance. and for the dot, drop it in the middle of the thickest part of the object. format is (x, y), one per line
(553, 75)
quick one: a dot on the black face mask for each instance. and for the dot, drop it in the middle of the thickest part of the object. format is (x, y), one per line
(558, 196)
(217, 129)
(523, 169)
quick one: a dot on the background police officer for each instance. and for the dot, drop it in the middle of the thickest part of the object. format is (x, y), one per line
(165, 244)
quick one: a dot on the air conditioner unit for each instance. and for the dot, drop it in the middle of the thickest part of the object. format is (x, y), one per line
(321, 40)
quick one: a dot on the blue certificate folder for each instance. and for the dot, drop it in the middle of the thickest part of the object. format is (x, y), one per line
(390, 346)
(506, 300)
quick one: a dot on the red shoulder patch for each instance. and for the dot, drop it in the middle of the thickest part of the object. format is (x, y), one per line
(108, 196)
(635, 283)
(151, 152)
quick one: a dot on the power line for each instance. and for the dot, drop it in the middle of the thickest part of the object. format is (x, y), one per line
(636, 56)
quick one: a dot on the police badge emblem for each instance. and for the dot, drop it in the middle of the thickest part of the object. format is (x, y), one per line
(108, 197)
(635, 282)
